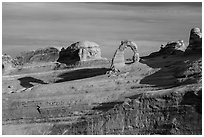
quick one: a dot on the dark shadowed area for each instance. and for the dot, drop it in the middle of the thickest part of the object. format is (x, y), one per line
(81, 74)
(26, 81)
(28, 26)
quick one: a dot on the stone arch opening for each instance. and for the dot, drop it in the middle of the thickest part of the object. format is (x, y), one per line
(128, 56)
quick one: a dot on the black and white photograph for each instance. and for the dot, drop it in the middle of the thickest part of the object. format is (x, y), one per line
(101, 68)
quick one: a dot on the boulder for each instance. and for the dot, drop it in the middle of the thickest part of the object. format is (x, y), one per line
(195, 41)
(118, 60)
(80, 51)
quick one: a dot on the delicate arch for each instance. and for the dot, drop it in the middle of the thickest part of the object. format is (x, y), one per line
(118, 60)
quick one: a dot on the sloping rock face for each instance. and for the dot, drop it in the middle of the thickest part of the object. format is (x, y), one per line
(37, 58)
(80, 51)
(195, 41)
(191, 72)
(118, 60)
(49, 54)
(171, 48)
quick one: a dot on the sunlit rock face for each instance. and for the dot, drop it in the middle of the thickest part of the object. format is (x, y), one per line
(195, 41)
(173, 46)
(118, 60)
(80, 51)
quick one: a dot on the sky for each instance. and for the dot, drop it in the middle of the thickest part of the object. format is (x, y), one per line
(28, 26)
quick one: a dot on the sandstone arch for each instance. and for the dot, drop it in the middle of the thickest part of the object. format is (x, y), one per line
(118, 60)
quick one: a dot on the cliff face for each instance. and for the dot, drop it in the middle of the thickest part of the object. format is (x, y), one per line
(177, 111)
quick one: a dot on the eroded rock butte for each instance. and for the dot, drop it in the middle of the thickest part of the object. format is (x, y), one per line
(80, 51)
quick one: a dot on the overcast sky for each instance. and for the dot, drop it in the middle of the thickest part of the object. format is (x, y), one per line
(27, 26)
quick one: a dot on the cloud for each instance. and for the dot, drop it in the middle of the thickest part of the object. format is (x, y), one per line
(157, 4)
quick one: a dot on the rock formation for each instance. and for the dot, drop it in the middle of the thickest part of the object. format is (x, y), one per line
(157, 97)
(49, 54)
(118, 60)
(7, 64)
(80, 51)
(195, 41)
(174, 46)
(171, 48)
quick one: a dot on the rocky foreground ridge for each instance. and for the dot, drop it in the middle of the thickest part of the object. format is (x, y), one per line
(171, 112)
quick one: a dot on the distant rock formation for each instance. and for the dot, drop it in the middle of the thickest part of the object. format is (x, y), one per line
(80, 51)
(49, 54)
(118, 60)
(7, 64)
(171, 48)
(79, 54)
(195, 41)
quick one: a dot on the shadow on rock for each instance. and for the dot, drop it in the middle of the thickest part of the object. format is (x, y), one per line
(170, 70)
(26, 81)
(106, 106)
(81, 74)
(166, 69)
(193, 99)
